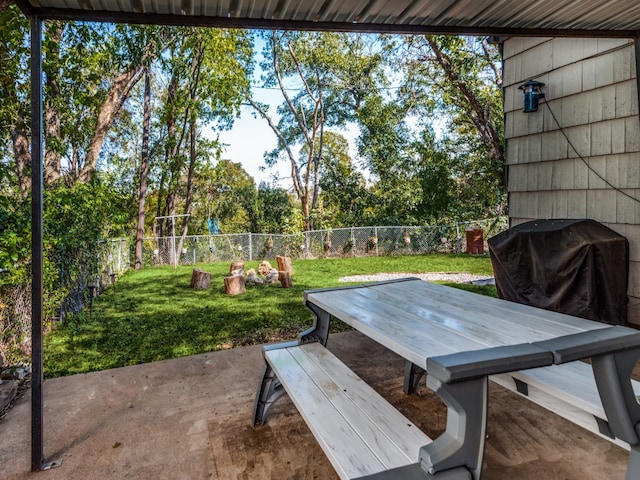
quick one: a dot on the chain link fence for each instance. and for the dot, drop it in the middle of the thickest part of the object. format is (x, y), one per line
(15, 300)
(114, 258)
(15, 324)
(332, 243)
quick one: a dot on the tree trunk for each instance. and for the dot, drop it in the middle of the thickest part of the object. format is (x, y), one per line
(144, 168)
(200, 280)
(234, 285)
(190, 175)
(118, 94)
(479, 115)
(22, 156)
(52, 165)
(172, 158)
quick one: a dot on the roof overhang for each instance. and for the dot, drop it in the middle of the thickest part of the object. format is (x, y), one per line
(575, 18)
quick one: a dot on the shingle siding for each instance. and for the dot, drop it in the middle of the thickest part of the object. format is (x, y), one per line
(592, 170)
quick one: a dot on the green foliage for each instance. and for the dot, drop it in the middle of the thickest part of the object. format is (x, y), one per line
(457, 79)
(14, 247)
(14, 74)
(76, 218)
(153, 315)
(435, 146)
(15, 236)
(234, 198)
(275, 208)
(344, 189)
(206, 74)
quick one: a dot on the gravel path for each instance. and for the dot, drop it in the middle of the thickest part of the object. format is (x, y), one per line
(457, 277)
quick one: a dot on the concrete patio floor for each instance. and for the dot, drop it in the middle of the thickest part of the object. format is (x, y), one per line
(190, 418)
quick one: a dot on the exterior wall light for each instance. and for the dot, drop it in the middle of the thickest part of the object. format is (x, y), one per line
(531, 92)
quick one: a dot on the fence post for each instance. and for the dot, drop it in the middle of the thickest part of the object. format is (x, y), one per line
(458, 237)
(250, 248)
(377, 240)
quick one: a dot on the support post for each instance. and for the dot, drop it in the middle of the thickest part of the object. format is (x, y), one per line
(462, 443)
(37, 449)
(612, 372)
(319, 332)
(270, 389)
(412, 376)
(633, 467)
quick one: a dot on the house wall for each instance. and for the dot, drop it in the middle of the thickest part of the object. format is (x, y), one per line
(591, 88)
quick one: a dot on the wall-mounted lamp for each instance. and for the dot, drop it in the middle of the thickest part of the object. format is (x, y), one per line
(531, 93)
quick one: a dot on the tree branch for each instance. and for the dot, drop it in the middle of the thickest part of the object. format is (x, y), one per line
(295, 172)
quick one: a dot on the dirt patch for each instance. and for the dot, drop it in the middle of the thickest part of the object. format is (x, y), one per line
(284, 448)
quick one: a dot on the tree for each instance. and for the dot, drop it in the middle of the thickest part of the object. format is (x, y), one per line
(344, 189)
(324, 78)
(387, 145)
(144, 167)
(234, 198)
(14, 97)
(457, 79)
(275, 208)
(207, 71)
(91, 72)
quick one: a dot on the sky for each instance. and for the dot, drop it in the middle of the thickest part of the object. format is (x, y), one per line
(247, 142)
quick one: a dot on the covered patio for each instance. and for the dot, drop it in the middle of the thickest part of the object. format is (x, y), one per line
(190, 418)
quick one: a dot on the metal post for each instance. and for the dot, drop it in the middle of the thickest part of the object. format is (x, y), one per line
(306, 244)
(37, 379)
(173, 242)
(250, 248)
(377, 241)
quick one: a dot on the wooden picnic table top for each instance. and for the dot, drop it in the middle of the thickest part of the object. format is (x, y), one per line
(419, 319)
(460, 339)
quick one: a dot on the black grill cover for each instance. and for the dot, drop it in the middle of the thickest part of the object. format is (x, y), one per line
(578, 267)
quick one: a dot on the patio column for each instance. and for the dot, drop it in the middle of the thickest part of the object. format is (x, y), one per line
(37, 455)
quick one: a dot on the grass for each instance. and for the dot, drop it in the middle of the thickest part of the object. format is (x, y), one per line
(153, 314)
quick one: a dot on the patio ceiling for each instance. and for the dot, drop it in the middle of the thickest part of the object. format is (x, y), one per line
(594, 18)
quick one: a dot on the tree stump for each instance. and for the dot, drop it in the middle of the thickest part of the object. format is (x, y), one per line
(285, 279)
(200, 279)
(234, 285)
(284, 264)
(236, 265)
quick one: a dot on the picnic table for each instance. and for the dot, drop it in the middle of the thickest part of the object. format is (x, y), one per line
(459, 339)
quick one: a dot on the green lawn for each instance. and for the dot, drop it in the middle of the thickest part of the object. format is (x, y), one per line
(153, 314)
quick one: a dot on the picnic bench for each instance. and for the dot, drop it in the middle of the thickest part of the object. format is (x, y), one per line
(461, 340)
